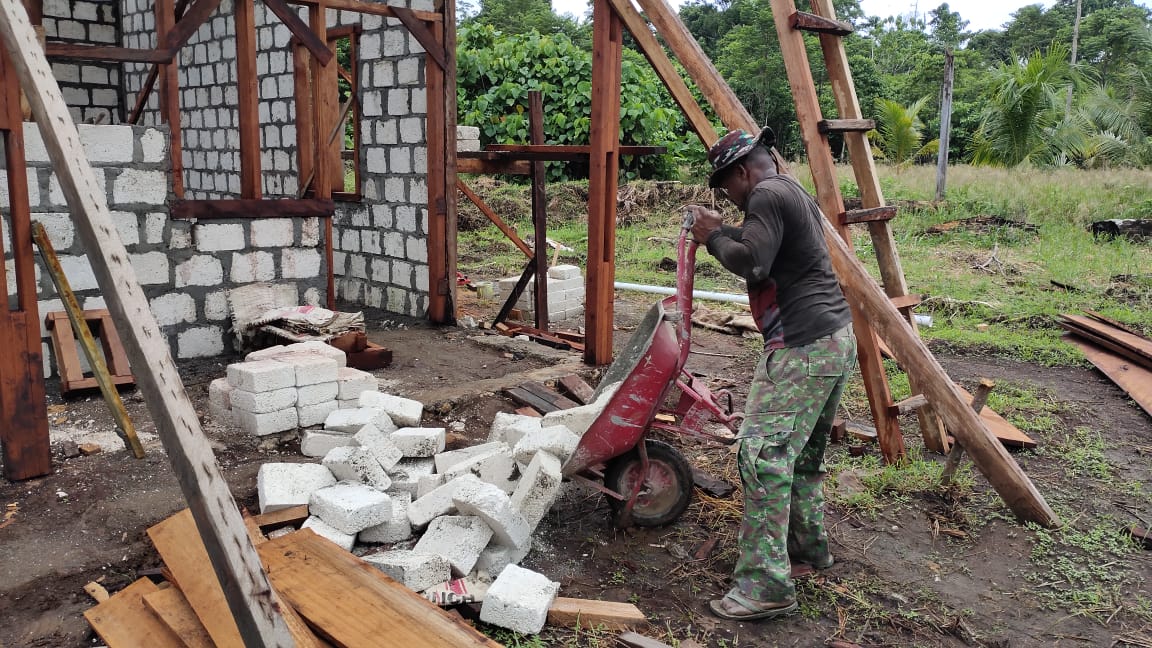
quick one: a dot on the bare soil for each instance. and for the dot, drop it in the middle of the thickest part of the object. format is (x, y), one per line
(928, 570)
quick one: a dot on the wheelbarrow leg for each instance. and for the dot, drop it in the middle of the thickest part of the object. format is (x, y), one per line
(625, 517)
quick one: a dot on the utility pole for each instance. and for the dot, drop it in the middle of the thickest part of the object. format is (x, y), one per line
(945, 125)
(1075, 43)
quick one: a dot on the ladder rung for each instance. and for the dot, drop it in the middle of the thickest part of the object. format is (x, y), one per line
(826, 126)
(905, 301)
(887, 212)
(811, 22)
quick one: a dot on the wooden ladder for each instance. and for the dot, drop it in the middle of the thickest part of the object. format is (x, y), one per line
(814, 130)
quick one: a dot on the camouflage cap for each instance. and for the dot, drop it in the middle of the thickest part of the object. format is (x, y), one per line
(731, 148)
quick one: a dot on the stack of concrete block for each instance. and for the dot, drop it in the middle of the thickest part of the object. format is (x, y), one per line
(565, 294)
(467, 138)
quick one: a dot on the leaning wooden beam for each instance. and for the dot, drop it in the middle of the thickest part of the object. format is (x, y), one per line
(422, 34)
(105, 53)
(300, 30)
(153, 75)
(664, 69)
(539, 210)
(262, 208)
(232, 556)
(496, 220)
(87, 342)
(370, 8)
(189, 24)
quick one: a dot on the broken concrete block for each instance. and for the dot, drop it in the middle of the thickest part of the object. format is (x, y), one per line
(428, 483)
(413, 569)
(263, 402)
(403, 411)
(220, 393)
(350, 507)
(380, 445)
(261, 375)
(510, 428)
(419, 442)
(317, 443)
(356, 464)
(284, 485)
(445, 461)
(458, 538)
(492, 505)
(353, 382)
(519, 600)
(311, 415)
(557, 440)
(351, 420)
(311, 369)
(265, 424)
(496, 557)
(314, 394)
(538, 488)
(318, 348)
(437, 502)
(395, 529)
(321, 528)
(264, 354)
(495, 467)
(579, 419)
(407, 473)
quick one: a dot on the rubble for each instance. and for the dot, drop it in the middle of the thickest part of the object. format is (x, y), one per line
(284, 485)
(350, 507)
(458, 538)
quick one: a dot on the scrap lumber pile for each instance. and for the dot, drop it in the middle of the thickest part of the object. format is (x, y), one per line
(1119, 352)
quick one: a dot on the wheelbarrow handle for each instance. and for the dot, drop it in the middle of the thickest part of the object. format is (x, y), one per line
(689, 219)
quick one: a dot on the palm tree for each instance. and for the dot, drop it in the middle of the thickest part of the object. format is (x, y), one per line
(898, 136)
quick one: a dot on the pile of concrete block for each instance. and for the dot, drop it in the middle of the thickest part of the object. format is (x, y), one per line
(467, 138)
(283, 388)
(565, 294)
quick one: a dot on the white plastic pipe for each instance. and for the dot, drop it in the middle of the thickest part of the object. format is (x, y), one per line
(696, 294)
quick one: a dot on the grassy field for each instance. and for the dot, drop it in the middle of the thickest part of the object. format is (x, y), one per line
(1020, 254)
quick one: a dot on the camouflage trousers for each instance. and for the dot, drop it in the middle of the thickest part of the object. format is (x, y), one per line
(791, 404)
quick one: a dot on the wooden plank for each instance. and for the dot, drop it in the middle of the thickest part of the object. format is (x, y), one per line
(248, 110)
(273, 520)
(496, 220)
(517, 290)
(1109, 344)
(124, 620)
(869, 215)
(369, 8)
(1099, 317)
(805, 21)
(467, 164)
(79, 52)
(905, 301)
(1136, 381)
(826, 126)
(575, 387)
(539, 389)
(566, 152)
(252, 208)
(171, 608)
(603, 176)
(525, 397)
(170, 97)
(352, 604)
(230, 552)
(528, 411)
(634, 640)
(664, 69)
(539, 210)
(1137, 345)
(587, 613)
(300, 30)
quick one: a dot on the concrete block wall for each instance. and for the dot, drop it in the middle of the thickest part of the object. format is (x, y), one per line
(90, 88)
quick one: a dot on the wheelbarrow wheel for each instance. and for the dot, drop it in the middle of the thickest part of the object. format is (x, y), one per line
(666, 489)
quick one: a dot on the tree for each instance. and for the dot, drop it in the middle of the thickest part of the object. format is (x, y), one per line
(897, 138)
(947, 27)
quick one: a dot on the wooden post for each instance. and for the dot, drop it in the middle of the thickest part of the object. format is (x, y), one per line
(440, 84)
(248, 112)
(232, 555)
(603, 175)
(23, 410)
(170, 96)
(324, 100)
(945, 126)
(306, 137)
(539, 209)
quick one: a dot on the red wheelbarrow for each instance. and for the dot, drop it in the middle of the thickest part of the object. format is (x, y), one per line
(649, 482)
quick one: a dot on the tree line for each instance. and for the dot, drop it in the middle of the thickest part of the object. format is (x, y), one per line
(1020, 95)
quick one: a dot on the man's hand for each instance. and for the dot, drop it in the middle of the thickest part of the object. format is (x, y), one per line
(705, 222)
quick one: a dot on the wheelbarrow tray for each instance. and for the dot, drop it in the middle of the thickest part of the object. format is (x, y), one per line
(647, 368)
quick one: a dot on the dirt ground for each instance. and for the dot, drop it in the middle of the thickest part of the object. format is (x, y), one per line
(921, 569)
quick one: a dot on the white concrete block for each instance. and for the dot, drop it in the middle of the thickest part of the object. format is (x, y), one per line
(353, 382)
(311, 369)
(380, 445)
(510, 428)
(351, 420)
(200, 342)
(538, 488)
(265, 401)
(397, 528)
(492, 505)
(437, 502)
(458, 538)
(419, 442)
(265, 354)
(284, 485)
(557, 440)
(413, 569)
(350, 507)
(579, 419)
(312, 415)
(403, 411)
(321, 528)
(261, 375)
(318, 348)
(562, 272)
(265, 424)
(222, 415)
(427, 483)
(496, 557)
(447, 460)
(139, 186)
(317, 393)
(519, 600)
(350, 403)
(220, 393)
(495, 467)
(216, 237)
(356, 464)
(317, 443)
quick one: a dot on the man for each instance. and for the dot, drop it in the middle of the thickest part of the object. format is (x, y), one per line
(809, 351)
